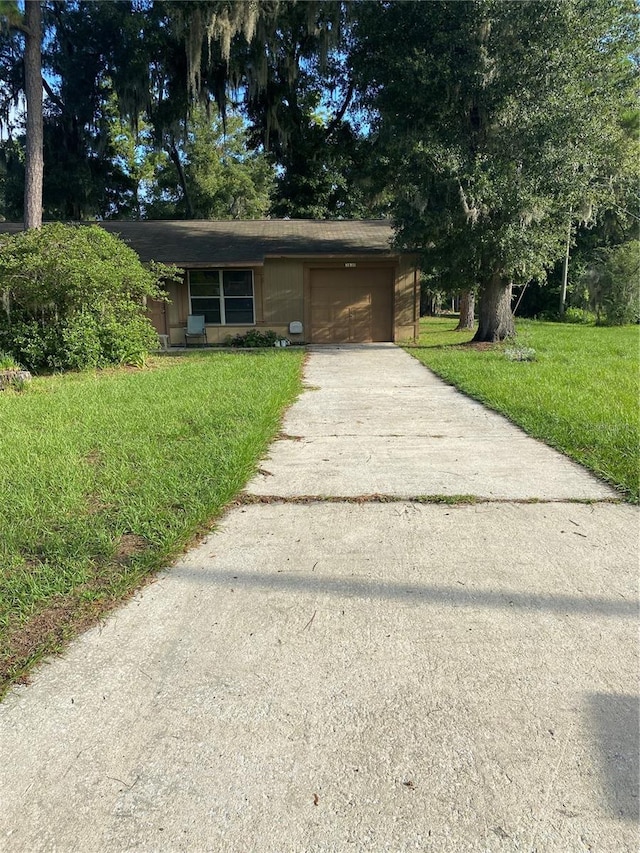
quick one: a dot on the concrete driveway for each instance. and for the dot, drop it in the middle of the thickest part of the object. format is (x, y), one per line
(343, 666)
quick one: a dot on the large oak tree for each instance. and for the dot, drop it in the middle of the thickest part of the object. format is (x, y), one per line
(496, 120)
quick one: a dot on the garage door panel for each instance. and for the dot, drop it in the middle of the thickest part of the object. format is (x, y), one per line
(359, 323)
(351, 306)
(382, 313)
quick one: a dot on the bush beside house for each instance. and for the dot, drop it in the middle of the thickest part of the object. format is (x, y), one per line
(74, 297)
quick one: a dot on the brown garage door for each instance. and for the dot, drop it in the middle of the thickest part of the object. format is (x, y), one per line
(351, 305)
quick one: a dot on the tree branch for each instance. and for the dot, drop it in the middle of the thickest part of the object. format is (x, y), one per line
(51, 94)
(22, 28)
(172, 151)
(335, 121)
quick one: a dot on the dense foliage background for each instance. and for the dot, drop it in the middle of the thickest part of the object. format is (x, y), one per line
(498, 136)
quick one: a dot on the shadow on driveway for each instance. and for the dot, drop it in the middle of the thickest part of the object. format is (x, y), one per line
(416, 593)
(615, 722)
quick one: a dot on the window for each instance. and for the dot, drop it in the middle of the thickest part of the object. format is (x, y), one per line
(225, 297)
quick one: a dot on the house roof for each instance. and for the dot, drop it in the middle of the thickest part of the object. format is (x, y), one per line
(200, 242)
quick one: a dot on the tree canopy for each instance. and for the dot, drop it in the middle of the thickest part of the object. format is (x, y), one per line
(271, 66)
(491, 132)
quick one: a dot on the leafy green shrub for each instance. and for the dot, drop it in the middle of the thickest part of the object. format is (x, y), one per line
(80, 343)
(578, 316)
(254, 338)
(28, 340)
(76, 296)
(129, 341)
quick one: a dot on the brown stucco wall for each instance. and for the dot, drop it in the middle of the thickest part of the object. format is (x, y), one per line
(407, 299)
(282, 291)
(284, 281)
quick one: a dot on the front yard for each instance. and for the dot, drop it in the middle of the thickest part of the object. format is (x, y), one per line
(105, 476)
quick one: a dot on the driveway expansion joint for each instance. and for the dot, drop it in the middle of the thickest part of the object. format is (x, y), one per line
(247, 499)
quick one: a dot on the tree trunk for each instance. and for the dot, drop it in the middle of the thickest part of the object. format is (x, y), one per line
(177, 162)
(34, 160)
(496, 318)
(467, 310)
(565, 270)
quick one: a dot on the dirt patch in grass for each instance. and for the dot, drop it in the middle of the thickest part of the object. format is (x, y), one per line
(481, 346)
(124, 368)
(95, 505)
(49, 630)
(45, 631)
(129, 545)
(94, 457)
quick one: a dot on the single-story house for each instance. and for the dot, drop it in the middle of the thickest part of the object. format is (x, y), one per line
(310, 281)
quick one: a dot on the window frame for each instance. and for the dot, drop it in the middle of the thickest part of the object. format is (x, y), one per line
(220, 273)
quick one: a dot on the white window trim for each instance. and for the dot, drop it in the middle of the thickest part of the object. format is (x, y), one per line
(220, 272)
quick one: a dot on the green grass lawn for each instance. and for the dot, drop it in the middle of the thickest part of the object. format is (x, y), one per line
(580, 395)
(105, 476)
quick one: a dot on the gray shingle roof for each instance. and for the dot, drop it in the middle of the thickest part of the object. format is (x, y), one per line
(199, 242)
